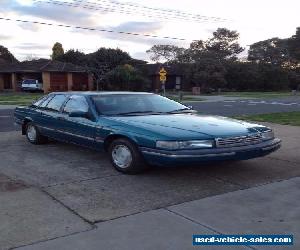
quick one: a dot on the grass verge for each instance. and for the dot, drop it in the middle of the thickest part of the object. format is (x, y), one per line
(285, 118)
(257, 94)
(18, 99)
(185, 99)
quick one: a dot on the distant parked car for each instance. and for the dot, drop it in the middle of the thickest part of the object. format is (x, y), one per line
(31, 85)
(137, 129)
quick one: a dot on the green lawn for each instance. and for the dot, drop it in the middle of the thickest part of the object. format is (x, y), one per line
(285, 118)
(185, 99)
(247, 94)
(19, 98)
(257, 94)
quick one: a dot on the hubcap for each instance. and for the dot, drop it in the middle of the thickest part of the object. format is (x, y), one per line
(31, 133)
(121, 156)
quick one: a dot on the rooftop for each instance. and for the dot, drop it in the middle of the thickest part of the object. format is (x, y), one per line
(40, 65)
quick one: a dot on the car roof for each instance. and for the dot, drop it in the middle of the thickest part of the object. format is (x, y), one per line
(102, 93)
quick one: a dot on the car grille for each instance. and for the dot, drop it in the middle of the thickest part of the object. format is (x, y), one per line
(238, 141)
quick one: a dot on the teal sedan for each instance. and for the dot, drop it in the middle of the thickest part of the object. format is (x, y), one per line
(140, 129)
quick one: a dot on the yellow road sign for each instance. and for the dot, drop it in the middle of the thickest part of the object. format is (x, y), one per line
(162, 75)
(162, 71)
(162, 78)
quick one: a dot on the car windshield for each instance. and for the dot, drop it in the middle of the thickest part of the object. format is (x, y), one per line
(29, 81)
(135, 104)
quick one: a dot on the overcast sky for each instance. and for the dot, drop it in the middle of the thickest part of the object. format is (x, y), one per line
(255, 20)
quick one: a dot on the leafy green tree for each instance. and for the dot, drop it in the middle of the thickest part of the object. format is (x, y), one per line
(252, 76)
(294, 45)
(206, 74)
(110, 57)
(100, 62)
(6, 55)
(222, 46)
(166, 53)
(126, 77)
(208, 58)
(57, 50)
(73, 56)
(273, 51)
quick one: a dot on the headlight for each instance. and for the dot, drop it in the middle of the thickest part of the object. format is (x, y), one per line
(173, 145)
(268, 135)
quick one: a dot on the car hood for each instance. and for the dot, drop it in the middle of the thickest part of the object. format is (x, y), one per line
(214, 126)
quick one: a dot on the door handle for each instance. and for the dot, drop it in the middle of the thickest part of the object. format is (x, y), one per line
(61, 118)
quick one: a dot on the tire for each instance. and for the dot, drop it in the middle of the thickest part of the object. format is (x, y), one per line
(125, 157)
(33, 135)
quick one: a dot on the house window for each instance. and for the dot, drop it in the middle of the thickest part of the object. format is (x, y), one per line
(178, 82)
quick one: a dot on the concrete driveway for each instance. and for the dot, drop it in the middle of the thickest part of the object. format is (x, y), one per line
(56, 190)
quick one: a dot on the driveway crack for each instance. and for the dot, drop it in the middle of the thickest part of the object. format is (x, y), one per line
(68, 208)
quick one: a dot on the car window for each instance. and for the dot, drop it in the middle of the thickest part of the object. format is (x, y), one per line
(45, 101)
(39, 101)
(114, 104)
(56, 102)
(76, 103)
(29, 81)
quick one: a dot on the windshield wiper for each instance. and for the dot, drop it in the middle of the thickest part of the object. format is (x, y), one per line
(181, 110)
(139, 112)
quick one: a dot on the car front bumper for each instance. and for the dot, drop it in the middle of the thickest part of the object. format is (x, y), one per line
(179, 157)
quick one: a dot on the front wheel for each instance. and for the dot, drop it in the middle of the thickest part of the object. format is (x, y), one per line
(125, 157)
(33, 135)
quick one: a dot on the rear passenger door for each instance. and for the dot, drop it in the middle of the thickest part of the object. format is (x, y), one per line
(79, 130)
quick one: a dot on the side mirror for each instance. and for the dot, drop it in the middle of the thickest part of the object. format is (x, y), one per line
(78, 114)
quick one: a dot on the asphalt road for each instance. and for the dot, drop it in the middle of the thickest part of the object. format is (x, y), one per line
(247, 107)
(6, 120)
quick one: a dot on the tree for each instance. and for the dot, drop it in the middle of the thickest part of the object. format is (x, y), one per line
(73, 56)
(6, 55)
(207, 74)
(222, 46)
(294, 46)
(100, 62)
(168, 53)
(126, 77)
(57, 50)
(110, 57)
(273, 51)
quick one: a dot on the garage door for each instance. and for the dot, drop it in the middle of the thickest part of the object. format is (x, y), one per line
(80, 81)
(58, 82)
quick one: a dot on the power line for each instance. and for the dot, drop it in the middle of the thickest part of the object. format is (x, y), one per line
(128, 12)
(123, 10)
(117, 9)
(171, 11)
(93, 29)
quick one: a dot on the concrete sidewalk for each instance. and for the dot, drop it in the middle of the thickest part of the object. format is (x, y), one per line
(269, 209)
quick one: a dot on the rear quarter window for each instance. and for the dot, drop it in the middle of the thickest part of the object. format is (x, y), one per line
(45, 102)
(39, 101)
(56, 102)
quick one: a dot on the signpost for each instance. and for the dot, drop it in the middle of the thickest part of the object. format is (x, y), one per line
(163, 79)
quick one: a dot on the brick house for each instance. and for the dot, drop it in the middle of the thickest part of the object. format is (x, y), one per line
(55, 75)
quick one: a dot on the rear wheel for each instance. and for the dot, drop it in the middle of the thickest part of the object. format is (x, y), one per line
(33, 135)
(125, 157)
